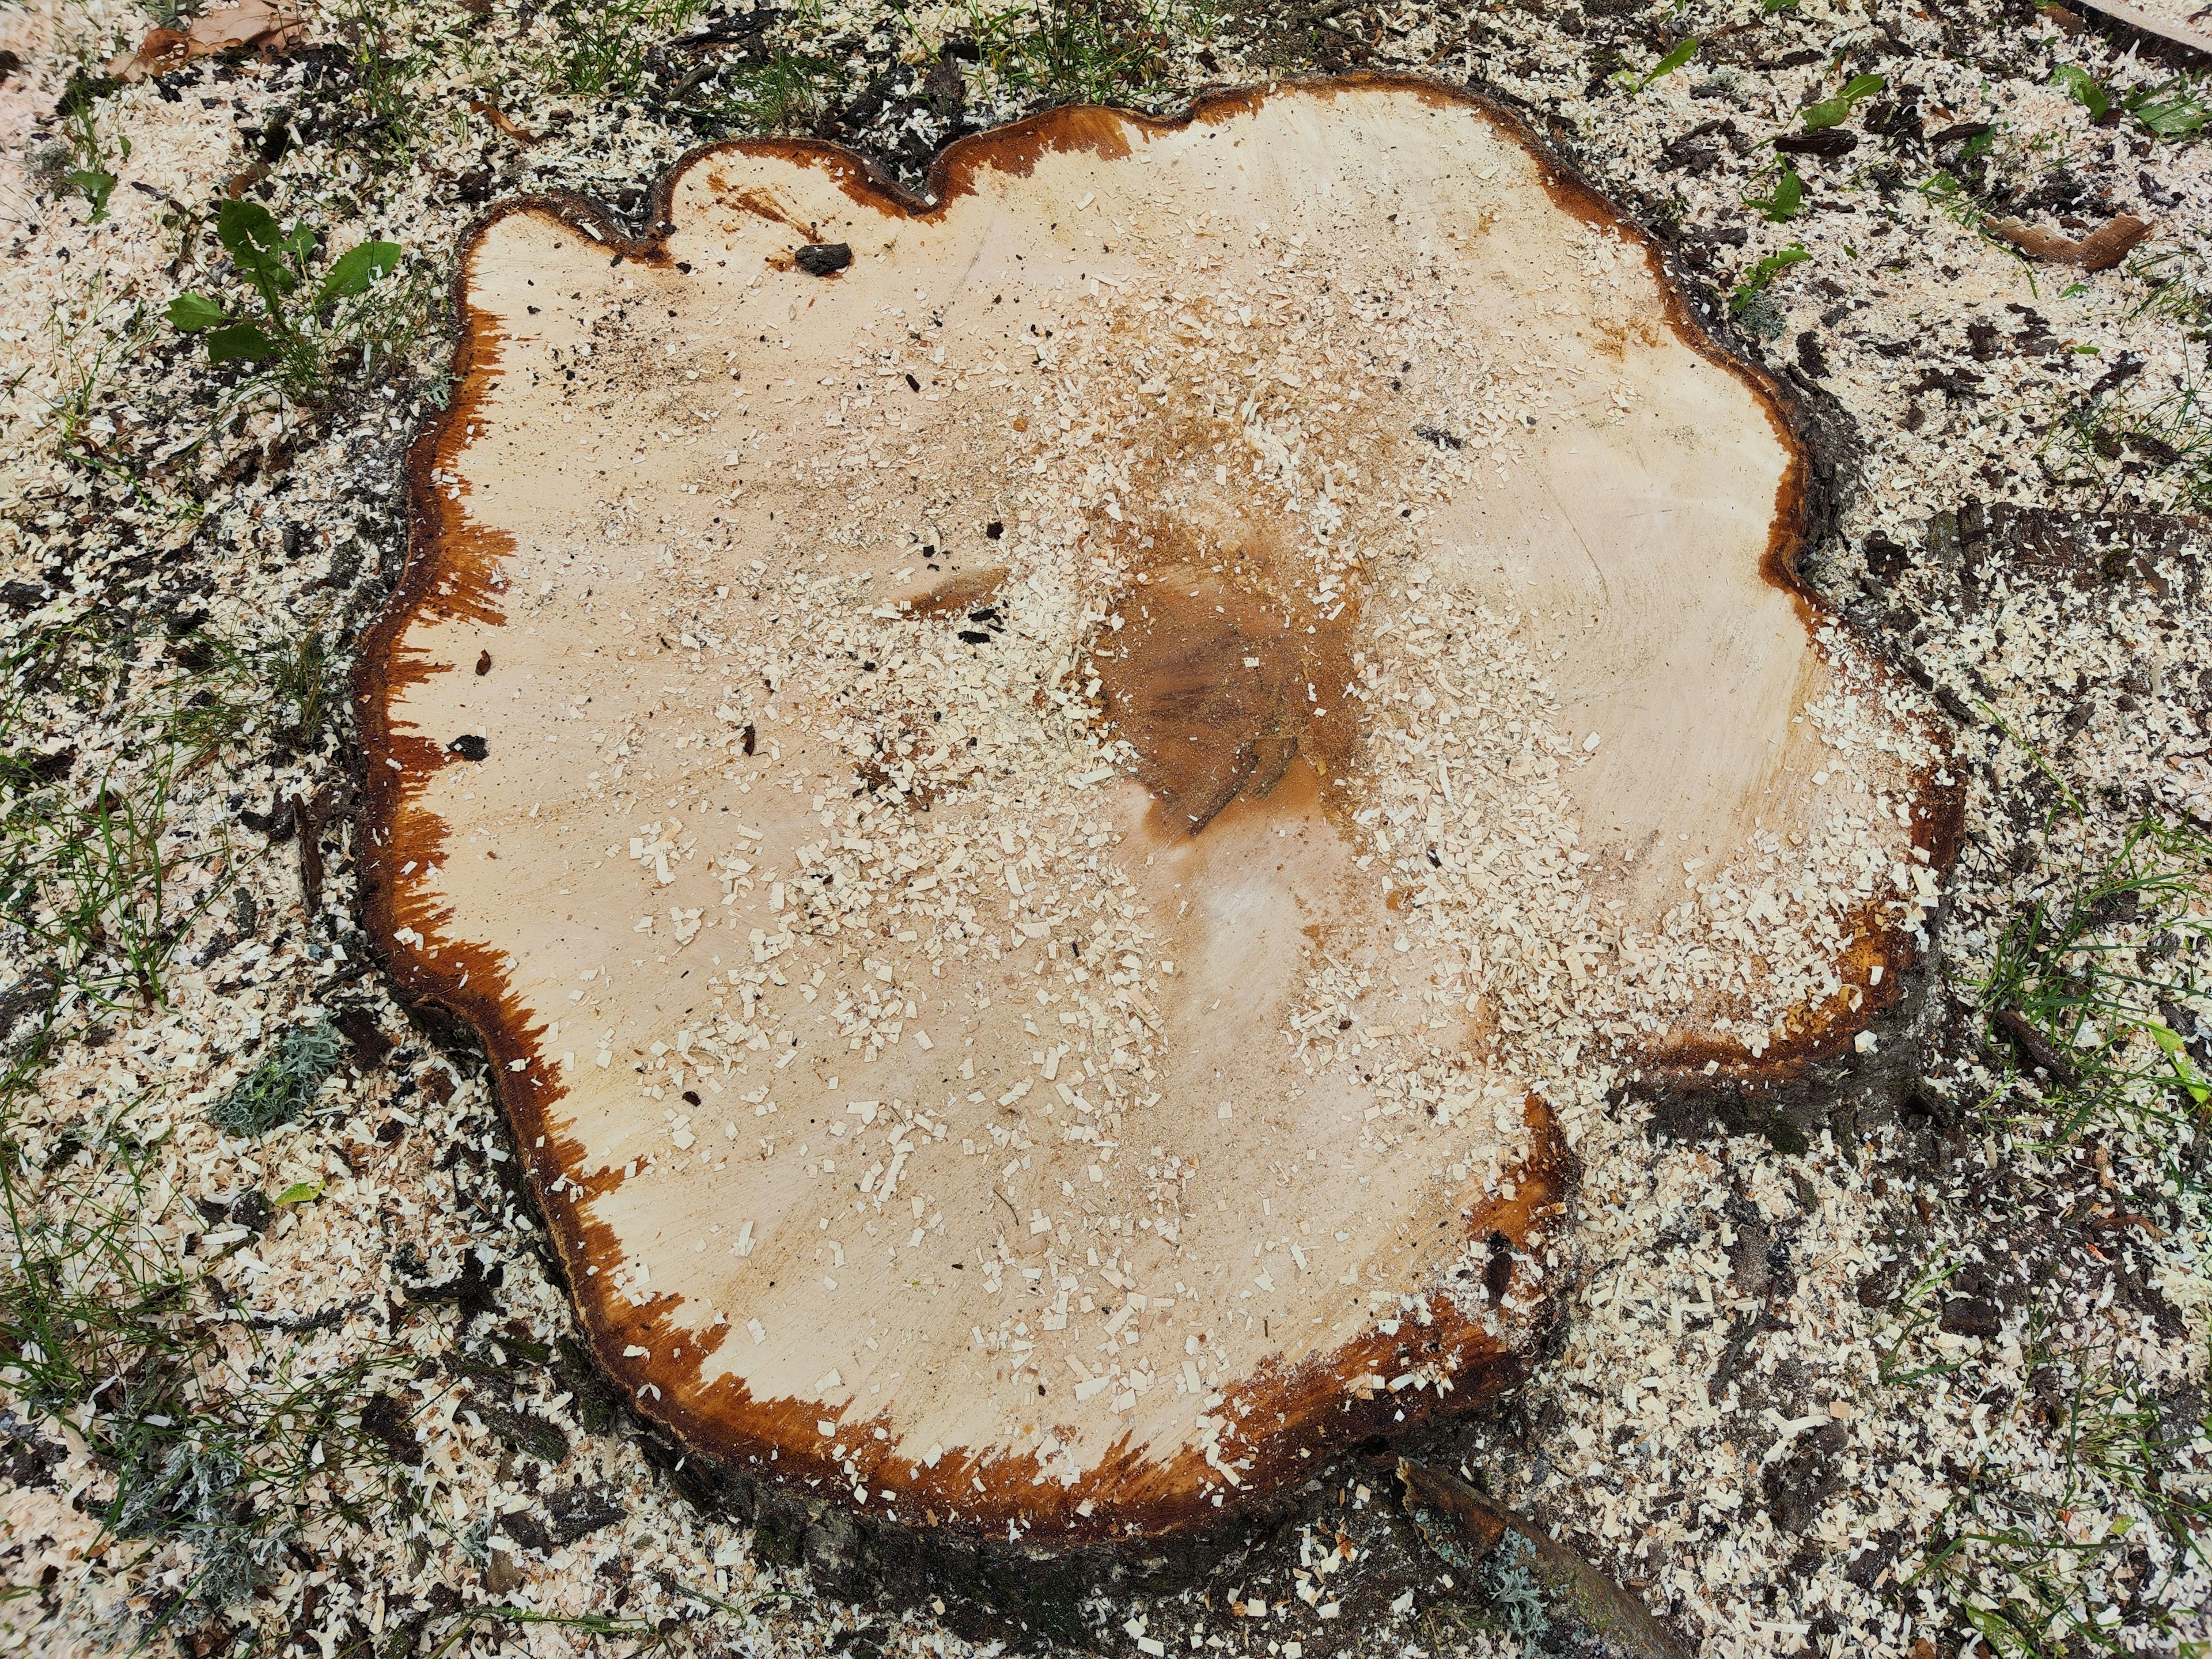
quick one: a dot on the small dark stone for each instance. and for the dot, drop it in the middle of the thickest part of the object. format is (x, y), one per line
(471, 1290)
(469, 747)
(824, 258)
(483, 663)
(832, 1548)
(747, 737)
(527, 1530)
(369, 1044)
(975, 637)
(1797, 1486)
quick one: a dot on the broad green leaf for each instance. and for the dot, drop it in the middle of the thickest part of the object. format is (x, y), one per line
(1834, 111)
(2171, 111)
(238, 342)
(97, 188)
(242, 225)
(193, 313)
(1787, 198)
(353, 272)
(301, 1192)
(1673, 60)
(1764, 272)
(2085, 89)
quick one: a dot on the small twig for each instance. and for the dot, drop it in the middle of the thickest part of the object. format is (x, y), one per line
(2039, 1049)
(500, 120)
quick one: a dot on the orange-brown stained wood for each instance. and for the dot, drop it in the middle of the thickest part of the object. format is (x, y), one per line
(1037, 809)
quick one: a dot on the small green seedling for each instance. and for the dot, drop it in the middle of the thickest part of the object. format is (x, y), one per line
(2086, 89)
(92, 176)
(1756, 280)
(1673, 60)
(1785, 202)
(301, 1192)
(97, 186)
(1834, 111)
(275, 262)
(1775, 8)
(2171, 110)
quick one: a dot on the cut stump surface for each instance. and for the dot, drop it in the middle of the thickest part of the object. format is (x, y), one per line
(1023, 816)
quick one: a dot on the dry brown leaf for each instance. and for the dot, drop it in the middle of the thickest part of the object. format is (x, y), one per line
(273, 27)
(500, 120)
(2100, 250)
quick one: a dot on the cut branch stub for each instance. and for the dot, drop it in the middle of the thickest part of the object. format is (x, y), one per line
(1031, 820)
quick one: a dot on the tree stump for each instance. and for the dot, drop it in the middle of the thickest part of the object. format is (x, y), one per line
(1022, 788)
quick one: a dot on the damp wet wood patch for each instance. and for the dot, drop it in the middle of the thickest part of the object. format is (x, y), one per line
(1025, 813)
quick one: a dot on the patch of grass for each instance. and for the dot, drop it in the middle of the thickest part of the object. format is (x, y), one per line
(281, 687)
(600, 46)
(2169, 436)
(2178, 278)
(220, 1449)
(1082, 52)
(86, 885)
(2030, 1576)
(2086, 984)
(1914, 1311)
(381, 74)
(283, 1084)
(93, 336)
(783, 94)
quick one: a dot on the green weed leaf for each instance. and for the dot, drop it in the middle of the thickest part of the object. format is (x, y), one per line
(263, 254)
(97, 188)
(243, 226)
(1756, 280)
(1834, 111)
(1786, 202)
(2086, 90)
(2171, 110)
(194, 314)
(353, 272)
(301, 1192)
(239, 343)
(1673, 60)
